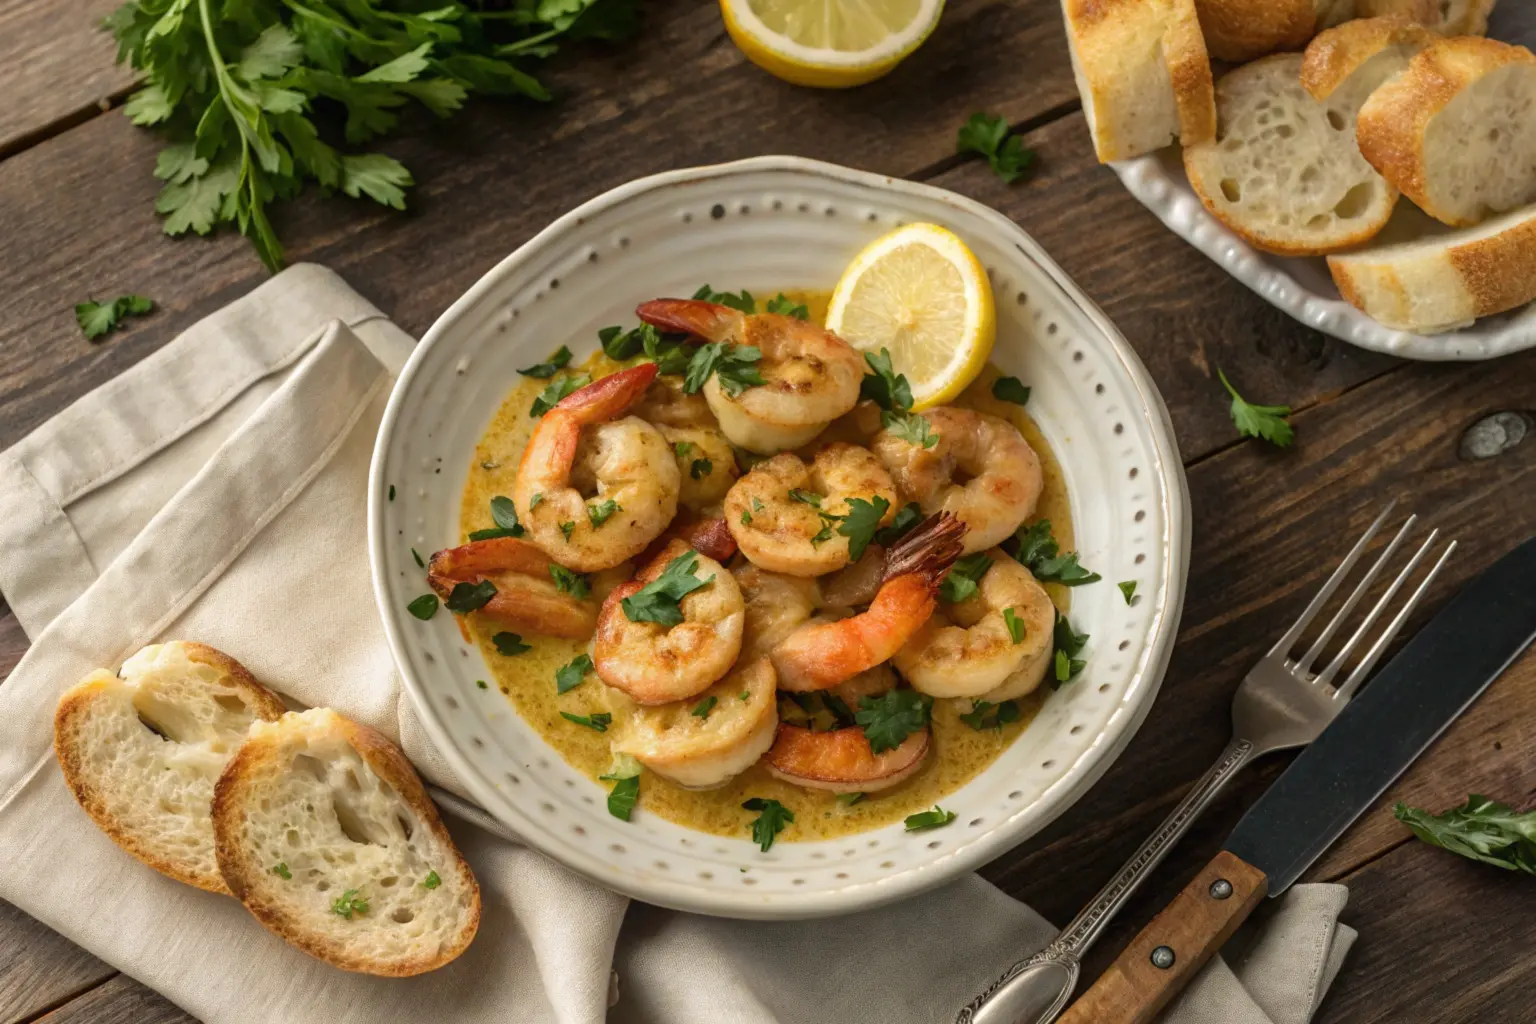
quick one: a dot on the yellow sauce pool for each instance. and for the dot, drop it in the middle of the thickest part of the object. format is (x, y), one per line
(528, 680)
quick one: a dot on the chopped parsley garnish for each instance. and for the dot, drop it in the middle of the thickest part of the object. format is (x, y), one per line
(839, 709)
(861, 523)
(657, 601)
(566, 529)
(567, 582)
(619, 344)
(1010, 389)
(1015, 625)
(624, 766)
(701, 468)
(391, 492)
(431, 881)
(1038, 551)
(922, 820)
(961, 582)
(556, 392)
(743, 303)
(1262, 421)
(703, 707)
(890, 718)
(822, 535)
(734, 366)
(1065, 663)
(419, 563)
(986, 715)
(745, 695)
(783, 306)
(349, 903)
(746, 517)
(482, 684)
(281, 871)
(670, 355)
(534, 501)
(424, 607)
(805, 497)
(510, 644)
(907, 517)
(771, 819)
(988, 135)
(1128, 589)
(99, 318)
(910, 427)
(597, 722)
(493, 533)
(681, 449)
(571, 675)
(504, 514)
(468, 597)
(885, 387)
(623, 797)
(849, 799)
(546, 370)
(602, 512)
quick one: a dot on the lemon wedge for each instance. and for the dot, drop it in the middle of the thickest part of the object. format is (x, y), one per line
(830, 44)
(921, 293)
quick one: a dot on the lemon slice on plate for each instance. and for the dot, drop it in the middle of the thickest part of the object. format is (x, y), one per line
(832, 44)
(921, 293)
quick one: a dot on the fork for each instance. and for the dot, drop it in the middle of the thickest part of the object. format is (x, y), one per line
(1281, 703)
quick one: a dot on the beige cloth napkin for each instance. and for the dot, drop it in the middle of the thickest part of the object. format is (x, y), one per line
(217, 492)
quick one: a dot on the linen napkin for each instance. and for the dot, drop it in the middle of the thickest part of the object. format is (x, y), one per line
(217, 491)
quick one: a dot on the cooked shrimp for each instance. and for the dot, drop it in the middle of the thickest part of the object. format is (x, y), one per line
(1002, 476)
(705, 740)
(655, 663)
(785, 514)
(776, 605)
(666, 404)
(822, 654)
(706, 462)
(706, 536)
(842, 761)
(526, 595)
(857, 426)
(580, 449)
(967, 650)
(856, 584)
(810, 375)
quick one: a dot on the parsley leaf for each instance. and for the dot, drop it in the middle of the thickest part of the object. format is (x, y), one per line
(743, 303)
(701, 468)
(923, 820)
(885, 387)
(99, 318)
(657, 601)
(619, 344)
(960, 583)
(281, 871)
(424, 607)
(468, 597)
(861, 523)
(734, 366)
(493, 533)
(810, 498)
(987, 134)
(1015, 625)
(556, 392)
(1480, 829)
(509, 644)
(504, 515)
(603, 511)
(1262, 421)
(1128, 589)
(784, 307)
(349, 903)
(681, 449)
(909, 516)
(417, 555)
(568, 582)
(1064, 662)
(597, 722)
(571, 675)
(671, 355)
(910, 427)
(1010, 389)
(566, 529)
(546, 370)
(772, 818)
(703, 707)
(1036, 549)
(891, 718)
(986, 715)
(623, 797)
(849, 799)
(431, 881)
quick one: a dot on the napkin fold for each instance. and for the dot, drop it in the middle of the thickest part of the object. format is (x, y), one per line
(217, 491)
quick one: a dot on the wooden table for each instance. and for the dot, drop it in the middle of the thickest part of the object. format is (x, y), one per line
(1442, 939)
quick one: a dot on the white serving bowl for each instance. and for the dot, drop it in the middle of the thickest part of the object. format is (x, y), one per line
(768, 223)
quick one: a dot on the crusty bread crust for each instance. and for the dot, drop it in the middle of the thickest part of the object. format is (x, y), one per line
(263, 755)
(1189, 69)
(1339, 52)
(1393, 122)
(1447, 17)
(1240, 30)
(72, 749)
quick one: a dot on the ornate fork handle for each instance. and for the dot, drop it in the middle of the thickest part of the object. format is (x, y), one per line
(1034, 990)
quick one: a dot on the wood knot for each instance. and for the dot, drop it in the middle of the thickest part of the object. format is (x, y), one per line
(1495, 434)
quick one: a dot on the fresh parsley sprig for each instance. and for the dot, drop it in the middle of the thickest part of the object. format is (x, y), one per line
(510, 645)
(573, 673)
(734, 366)
(1480, 829)
(988, 135)
(772, 818)
(986, 715)
(964, 577)
(551, 366)
(504, 515)
(1035, 546)
(1262, 421)
(891, 717)
(556, 393)
(893, 394)
(100, 318)
(862, 523)
(1065, 663)
(659, 600)
(924, 820)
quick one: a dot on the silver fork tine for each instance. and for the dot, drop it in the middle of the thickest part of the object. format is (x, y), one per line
(1305, 664)
(1347, 688)
(1285, 643)
(1326, 675)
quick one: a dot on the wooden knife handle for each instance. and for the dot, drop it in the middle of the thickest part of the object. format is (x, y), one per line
(1161, 960)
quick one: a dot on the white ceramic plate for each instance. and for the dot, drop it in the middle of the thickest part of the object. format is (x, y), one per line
(1301, 286)
(762, 224)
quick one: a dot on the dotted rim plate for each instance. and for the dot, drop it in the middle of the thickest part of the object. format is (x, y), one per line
(766, 223)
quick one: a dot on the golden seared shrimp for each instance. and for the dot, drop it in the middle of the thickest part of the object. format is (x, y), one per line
(810, 375)
(703, 741)
(655, 662)
(706, 536)
(706, 462)
(666, 404)
(819, 655)
(776, 605)
(857, 426)
(968, 650)
(842, 761)
(785, 514)
(579, 449)
(526, 598)
(1000, 472)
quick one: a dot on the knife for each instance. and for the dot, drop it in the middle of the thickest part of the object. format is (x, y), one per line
(1435, 677)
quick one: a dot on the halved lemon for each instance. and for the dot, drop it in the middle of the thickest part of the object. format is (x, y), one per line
(921, 293)
(831, 44)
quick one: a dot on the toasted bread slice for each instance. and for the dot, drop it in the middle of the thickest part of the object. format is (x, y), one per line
(1241, 30)
(1143, 74)
(142, 750)
(1456, 131)
(1284, 172)
(1446, 281)
(1447, 17)
(325, 833)
(1379, 48)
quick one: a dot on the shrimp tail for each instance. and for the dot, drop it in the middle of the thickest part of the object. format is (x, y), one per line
(707, 320)
(611, 396)
(928, 551)
(511, 564)
(709, 537)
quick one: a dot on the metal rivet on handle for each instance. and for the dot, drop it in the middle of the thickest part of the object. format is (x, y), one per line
(1162, 957)
(1221, 889)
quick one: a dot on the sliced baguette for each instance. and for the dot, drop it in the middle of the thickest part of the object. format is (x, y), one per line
(1446, 281)
(141, 751)
(1447, 17)
(1143, 74)
(1386, 44)
(1241, 30)
(1284, 172)
(315, 809)
(1456, 131)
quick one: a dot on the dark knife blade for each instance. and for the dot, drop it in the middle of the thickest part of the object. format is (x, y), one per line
(1399, 713)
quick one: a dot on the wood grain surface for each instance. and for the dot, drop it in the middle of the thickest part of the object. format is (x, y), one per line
(76, 198)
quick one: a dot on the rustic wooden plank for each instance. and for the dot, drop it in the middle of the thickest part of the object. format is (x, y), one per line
(55, 66)
(120, 1001)
(39, 968)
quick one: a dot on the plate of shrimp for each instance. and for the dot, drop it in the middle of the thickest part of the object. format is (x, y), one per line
(692, 604)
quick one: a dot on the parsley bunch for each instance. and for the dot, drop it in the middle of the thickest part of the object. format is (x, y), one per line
(261, 96)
